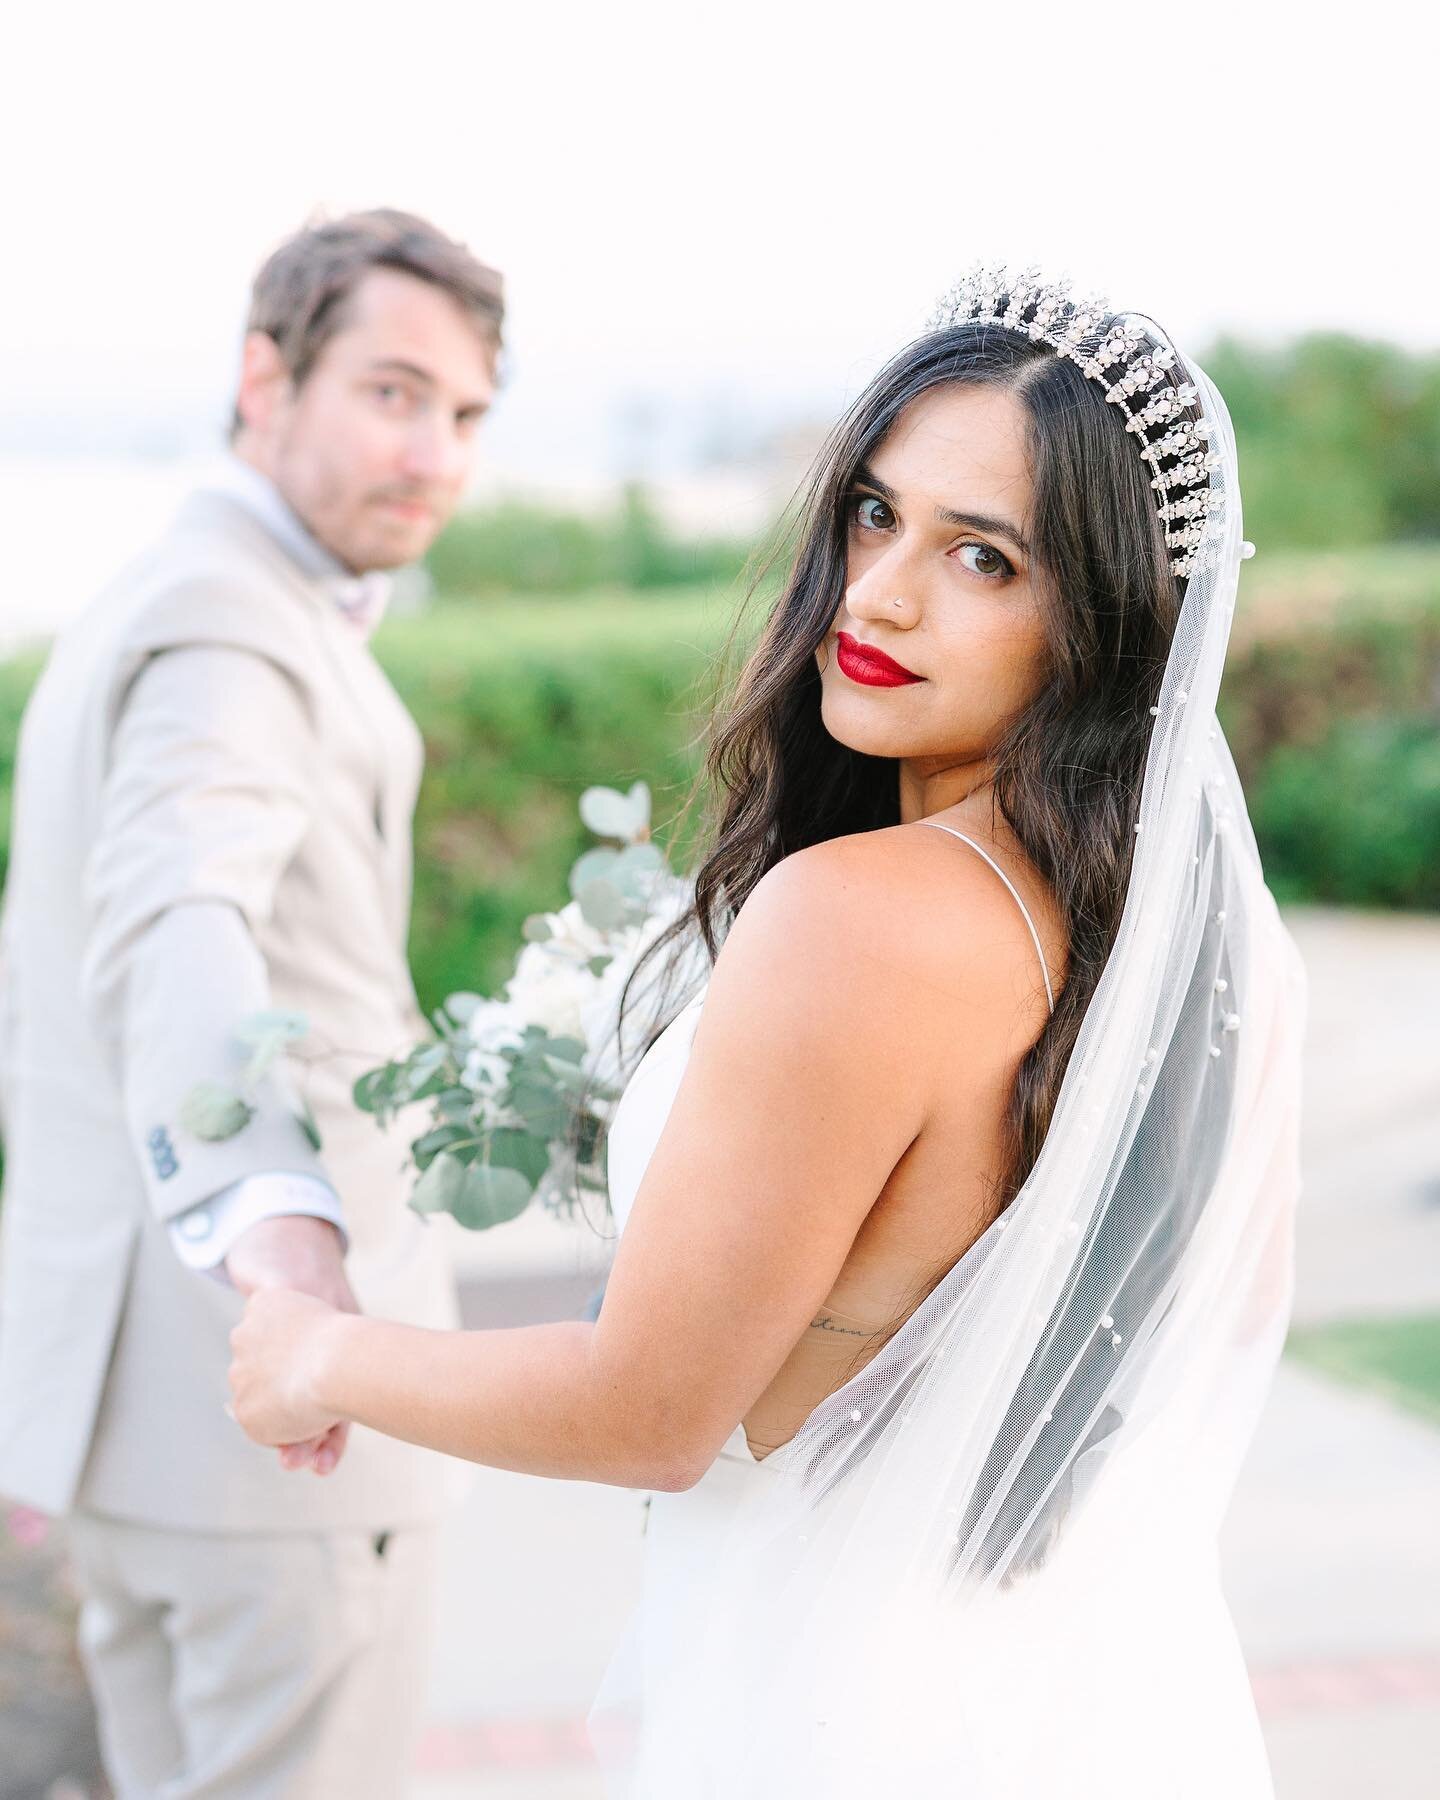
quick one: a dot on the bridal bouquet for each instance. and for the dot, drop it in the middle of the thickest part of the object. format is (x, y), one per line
(521, 1085)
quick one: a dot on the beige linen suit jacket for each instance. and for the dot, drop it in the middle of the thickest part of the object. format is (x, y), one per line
(214, 794)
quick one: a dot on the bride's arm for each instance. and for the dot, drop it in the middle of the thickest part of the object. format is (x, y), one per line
(811, 1074)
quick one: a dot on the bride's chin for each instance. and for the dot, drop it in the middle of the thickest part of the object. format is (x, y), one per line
(869, 737)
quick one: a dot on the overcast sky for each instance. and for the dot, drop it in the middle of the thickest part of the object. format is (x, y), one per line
(729, 210)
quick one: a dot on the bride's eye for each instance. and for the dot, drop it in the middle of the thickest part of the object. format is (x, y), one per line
(871, 513)
(980, 559)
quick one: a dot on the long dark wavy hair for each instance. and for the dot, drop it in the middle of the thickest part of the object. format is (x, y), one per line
(1067, 769)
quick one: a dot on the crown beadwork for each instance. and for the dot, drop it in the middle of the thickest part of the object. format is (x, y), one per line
(1134, 367)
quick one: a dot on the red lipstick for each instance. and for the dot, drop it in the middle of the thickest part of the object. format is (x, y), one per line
(871, 667)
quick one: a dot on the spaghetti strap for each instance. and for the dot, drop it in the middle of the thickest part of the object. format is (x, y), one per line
(1035, 935)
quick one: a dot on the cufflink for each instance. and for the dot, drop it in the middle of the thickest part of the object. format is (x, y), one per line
(196, 1225)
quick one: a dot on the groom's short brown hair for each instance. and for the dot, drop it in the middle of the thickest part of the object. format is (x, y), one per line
(300, 294)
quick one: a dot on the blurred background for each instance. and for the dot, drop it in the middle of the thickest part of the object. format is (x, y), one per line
(714, 229)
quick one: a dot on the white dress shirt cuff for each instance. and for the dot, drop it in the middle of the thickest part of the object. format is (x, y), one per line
(204, 1235)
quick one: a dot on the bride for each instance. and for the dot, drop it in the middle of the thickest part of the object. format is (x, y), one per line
(957, 1204)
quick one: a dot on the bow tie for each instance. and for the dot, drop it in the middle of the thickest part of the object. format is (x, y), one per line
(361, 598)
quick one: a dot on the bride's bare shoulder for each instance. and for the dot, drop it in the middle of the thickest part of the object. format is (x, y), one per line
(882, 912)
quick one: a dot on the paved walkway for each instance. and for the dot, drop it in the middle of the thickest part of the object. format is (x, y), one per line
(1369, 1241)
(1331, 1557)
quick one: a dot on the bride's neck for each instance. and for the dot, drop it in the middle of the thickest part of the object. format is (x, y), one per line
(930, 787)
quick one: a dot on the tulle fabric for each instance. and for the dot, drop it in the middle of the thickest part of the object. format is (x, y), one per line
(986, 1567)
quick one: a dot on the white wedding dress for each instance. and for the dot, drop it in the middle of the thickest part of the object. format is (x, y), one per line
(1113, 1671)
(986, 1567)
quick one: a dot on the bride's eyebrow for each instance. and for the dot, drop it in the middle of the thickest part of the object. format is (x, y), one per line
(989, 523)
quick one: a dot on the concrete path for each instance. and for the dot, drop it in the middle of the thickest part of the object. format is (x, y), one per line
(1369, 1242)
(1331, 1562)
(1330, 1552)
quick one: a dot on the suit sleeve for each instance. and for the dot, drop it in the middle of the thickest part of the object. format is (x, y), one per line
(207, 798)
(205, 1235)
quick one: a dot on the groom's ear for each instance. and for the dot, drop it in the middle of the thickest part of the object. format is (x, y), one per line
(265, 382)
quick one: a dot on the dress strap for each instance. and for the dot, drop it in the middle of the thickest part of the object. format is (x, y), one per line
(1044, 969)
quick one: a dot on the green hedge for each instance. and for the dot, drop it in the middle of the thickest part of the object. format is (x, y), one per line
(524, 548)
(1331, 701)
(1355, 818)
(17, 677)
(523, 706)
(1339, 438)
(1398, 1358)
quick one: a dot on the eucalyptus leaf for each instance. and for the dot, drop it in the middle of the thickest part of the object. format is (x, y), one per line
(647, 856)
(533, 1055)
(611, 814)
(522, 1151)
(442, 1138)
(374, 1091)
(537, 929)
(425, 1073)
(427, 1089)
(462, 1007)
(639, 798)
(258, 1028)
(594, 865)
(635, 871)
(454, 1104)
(213, 1112)
(568, 1075)
(490, 1197)
(545, 1110)
(602, 905)
(440, 1186)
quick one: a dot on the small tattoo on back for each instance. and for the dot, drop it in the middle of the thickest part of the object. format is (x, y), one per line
(822, 1323)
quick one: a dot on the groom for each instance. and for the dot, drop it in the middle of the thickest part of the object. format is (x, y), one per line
(214, 791)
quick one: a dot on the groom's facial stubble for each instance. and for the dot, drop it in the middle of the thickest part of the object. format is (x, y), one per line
(373, 449)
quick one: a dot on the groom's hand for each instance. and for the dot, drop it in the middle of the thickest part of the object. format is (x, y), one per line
(305, 1254)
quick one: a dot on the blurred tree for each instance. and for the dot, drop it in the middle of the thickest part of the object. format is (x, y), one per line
(1339, 439)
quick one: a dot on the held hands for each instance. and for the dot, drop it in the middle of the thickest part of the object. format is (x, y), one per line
(292, 1271)
(275, 1348)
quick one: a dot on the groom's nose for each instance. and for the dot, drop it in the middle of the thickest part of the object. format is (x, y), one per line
(435, 454)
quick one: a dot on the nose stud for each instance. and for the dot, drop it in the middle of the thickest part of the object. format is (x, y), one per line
(897, 602)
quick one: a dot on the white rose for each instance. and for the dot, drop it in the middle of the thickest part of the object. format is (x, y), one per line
(491, 1024)
(575, 936)
(551, 998)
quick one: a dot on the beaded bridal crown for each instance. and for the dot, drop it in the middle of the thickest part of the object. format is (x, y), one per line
(1134, 368)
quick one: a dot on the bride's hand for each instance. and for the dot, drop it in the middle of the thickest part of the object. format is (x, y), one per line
(275, 1353)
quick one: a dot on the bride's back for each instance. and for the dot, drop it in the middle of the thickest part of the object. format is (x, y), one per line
(943, 1192)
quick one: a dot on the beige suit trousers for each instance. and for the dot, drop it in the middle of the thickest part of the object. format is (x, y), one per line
(260, 1666)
